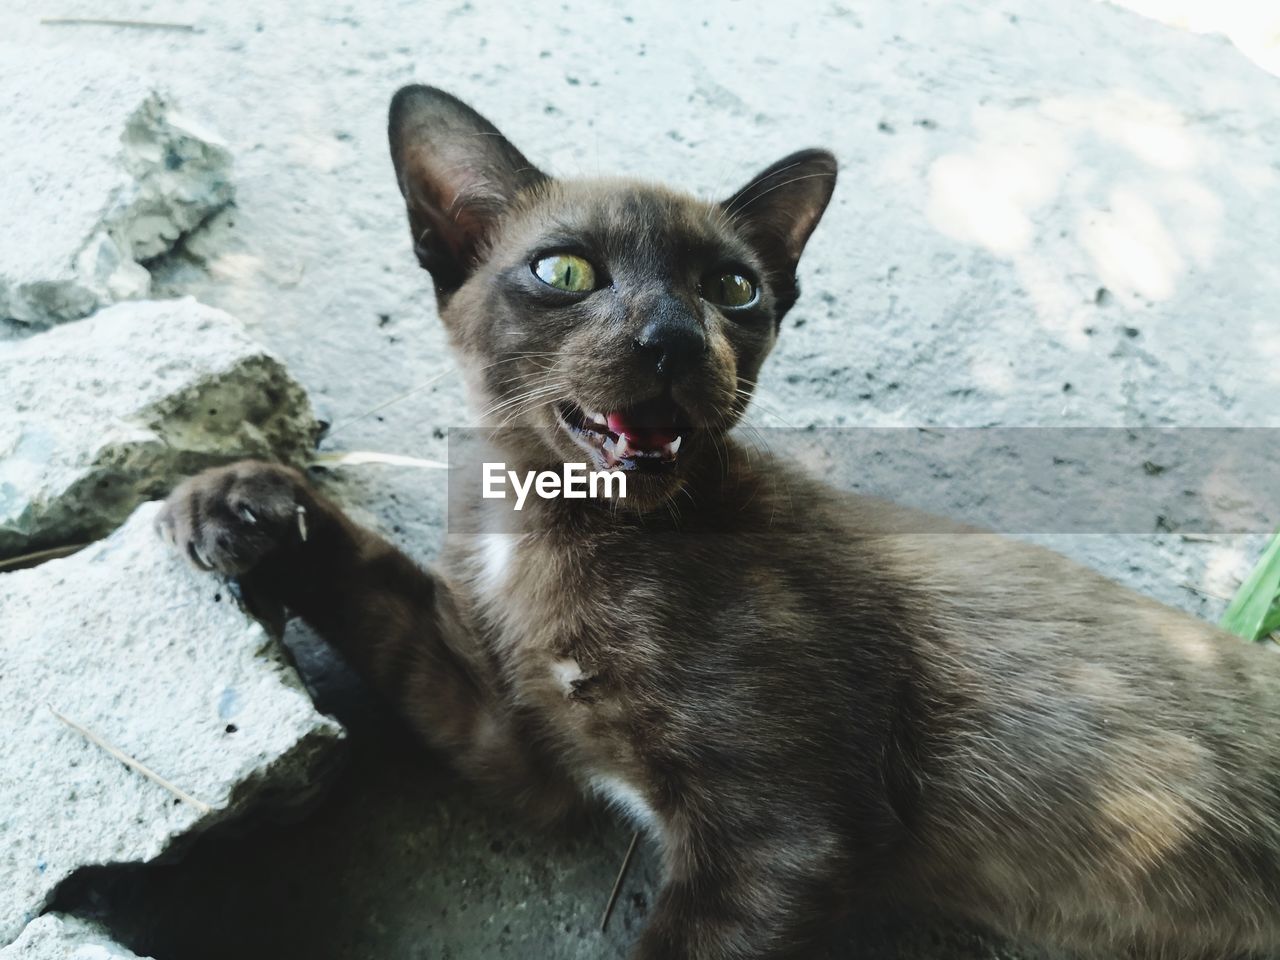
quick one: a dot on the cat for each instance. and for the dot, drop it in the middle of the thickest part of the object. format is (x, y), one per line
(802, 705)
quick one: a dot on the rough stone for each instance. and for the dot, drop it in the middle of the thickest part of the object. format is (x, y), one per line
(102, 173)
(54, 937)
(99, 415)
(124, 640)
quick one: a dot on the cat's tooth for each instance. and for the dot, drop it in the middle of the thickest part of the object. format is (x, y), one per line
(623, 447)
(672, 448)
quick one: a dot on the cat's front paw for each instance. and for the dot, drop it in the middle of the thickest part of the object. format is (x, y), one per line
(230, 519)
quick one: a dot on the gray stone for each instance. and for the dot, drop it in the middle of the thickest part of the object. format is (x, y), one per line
(108, 174)
(126, 641)
(99, 415)
(54, 937)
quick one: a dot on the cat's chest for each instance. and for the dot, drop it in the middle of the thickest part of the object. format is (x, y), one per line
(551, 619)
(554, 631)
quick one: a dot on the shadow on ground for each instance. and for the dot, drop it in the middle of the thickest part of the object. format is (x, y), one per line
(398, 861)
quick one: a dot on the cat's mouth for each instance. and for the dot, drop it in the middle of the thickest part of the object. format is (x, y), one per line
(646, 436)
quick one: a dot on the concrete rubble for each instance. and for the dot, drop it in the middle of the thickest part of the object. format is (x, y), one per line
(110, 178)
(99, 415)
(126, 641)
(54, 937)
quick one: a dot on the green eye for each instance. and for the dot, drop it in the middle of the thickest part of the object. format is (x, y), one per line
(566, 272)
(729, 289)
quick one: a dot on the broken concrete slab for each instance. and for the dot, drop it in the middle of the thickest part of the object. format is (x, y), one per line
(55, 937)
(100, 415)
(113, 176)
(131, 646)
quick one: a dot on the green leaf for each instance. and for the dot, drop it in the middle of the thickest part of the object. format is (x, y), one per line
(1272, 623)
(1255, 610)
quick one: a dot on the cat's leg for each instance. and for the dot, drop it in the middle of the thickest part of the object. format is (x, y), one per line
(749, 892)
(396, 624)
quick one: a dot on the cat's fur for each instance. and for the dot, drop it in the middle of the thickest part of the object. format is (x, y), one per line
(801, 705)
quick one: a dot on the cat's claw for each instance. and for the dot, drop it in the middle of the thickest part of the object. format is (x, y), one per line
(228, 520)
(199, 556)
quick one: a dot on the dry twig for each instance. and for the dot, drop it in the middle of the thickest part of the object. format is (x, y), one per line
(100, 22)
(617, 884)
(128, 761)
(39, 557)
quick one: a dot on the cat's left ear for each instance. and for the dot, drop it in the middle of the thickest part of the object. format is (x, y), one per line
(458, 176)
(778, 210)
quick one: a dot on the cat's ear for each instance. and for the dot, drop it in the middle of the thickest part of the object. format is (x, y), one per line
(458, 176)
(778, 210)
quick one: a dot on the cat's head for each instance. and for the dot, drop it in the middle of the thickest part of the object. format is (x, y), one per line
(607, 321)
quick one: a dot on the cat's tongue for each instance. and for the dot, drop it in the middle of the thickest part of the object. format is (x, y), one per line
(649, 426)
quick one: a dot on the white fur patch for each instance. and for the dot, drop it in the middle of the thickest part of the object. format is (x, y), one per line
(566, 672)
(495, 555)
(627, 800)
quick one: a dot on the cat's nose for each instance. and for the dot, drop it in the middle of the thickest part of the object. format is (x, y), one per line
(672, 344)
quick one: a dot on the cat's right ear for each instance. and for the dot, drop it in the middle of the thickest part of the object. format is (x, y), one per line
(458, 176)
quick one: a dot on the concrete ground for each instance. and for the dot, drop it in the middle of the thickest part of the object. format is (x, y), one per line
(1050, 214)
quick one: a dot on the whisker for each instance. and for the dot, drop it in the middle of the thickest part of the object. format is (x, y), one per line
(763, 407)
(526, 376)
(534, 393)
(516, 401)
(757, 181)
(418, 388)
(388, 403)
(523, 411)
(779, 186)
